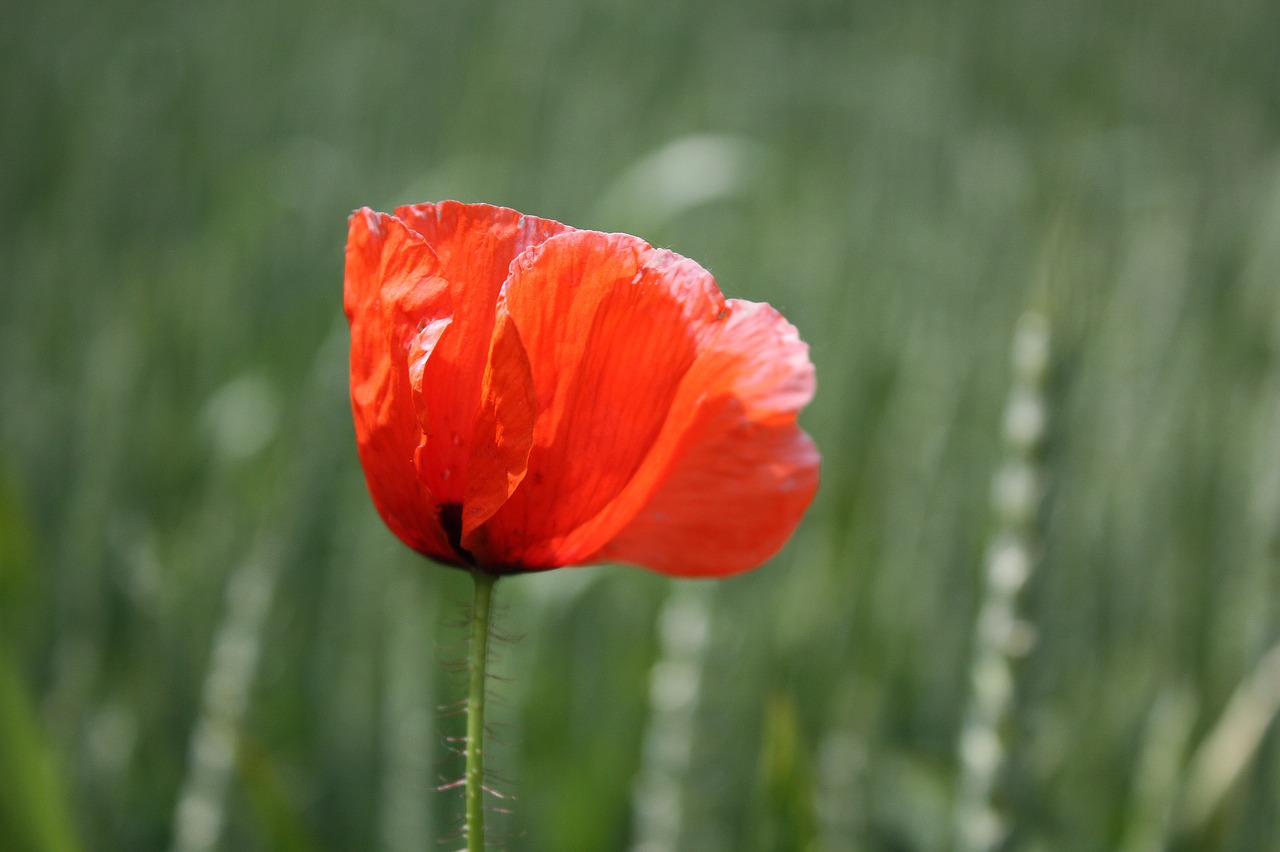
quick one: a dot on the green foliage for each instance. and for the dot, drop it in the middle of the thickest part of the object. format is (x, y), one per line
(34, 812)
(903, 180)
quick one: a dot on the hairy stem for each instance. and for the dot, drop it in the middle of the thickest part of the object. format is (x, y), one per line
(478, 659)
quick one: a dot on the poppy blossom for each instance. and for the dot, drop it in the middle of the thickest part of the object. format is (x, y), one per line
(529, 396)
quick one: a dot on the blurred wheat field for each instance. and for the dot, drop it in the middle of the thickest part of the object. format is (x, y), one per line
(209, 640)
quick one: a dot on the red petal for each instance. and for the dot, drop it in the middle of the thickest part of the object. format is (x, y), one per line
(732, 473)
(610, 327)
(475, 244)
(397, 308)
(734, 496)
(503, 434)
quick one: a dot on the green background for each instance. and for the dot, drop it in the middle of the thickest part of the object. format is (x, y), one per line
(185, 532)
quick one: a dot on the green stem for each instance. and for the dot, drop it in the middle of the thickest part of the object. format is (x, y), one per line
(479, 657)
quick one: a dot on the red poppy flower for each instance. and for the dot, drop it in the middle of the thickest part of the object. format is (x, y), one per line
(529, 396)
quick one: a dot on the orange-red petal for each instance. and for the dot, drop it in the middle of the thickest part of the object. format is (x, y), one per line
(503, 433)
(728, 479)
(475, 245)
(732, 499)
(610, 326)
(397, 306)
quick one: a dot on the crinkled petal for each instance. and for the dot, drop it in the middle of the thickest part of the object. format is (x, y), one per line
(731, 473)
(610, 327)
(734, 496)
(503, 434)
(475, 244)
(397, 306)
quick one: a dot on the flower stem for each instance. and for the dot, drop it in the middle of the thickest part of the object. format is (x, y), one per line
(479, 658)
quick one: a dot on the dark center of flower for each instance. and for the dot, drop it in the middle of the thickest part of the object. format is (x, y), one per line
(451, 520)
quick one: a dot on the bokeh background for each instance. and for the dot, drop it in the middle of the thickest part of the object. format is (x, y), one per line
(1034, 245)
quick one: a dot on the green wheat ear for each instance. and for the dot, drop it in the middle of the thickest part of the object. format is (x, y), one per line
(658, 791)
(1000, 633)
